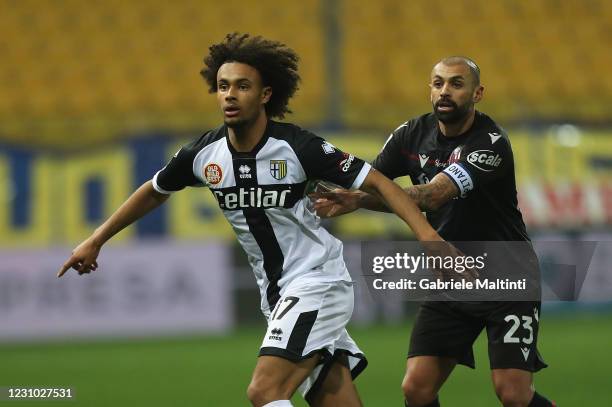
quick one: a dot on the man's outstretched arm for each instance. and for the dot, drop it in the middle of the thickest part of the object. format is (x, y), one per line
(141, 202)
(428, 197)
(395, 198)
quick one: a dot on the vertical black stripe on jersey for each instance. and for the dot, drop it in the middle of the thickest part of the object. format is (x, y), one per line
(261, 228)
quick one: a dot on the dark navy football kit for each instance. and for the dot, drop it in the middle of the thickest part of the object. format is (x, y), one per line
(480, 163)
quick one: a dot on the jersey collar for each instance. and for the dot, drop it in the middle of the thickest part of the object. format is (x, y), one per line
(442, 139)
(258, 146)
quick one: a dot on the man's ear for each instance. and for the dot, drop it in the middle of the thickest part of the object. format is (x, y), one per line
(266, 94)
(478, 94)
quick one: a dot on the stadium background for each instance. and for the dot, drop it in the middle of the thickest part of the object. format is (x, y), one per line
(96, 96)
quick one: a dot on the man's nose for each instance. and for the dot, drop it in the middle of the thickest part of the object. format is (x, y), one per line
(445, 91)
(231, 94)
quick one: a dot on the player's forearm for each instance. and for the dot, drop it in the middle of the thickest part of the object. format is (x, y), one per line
(374, 203)
(422, 197)
(435, 194)
(398, 201)
(407, 209)
(141, 202)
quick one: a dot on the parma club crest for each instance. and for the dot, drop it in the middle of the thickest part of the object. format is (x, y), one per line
(278, 169)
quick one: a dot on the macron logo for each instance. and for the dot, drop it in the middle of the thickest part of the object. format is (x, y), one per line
(423, 159)
(525, 353)
(494, 137)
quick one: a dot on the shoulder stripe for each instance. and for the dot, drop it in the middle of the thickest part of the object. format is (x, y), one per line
(365, 170)
(157, 187)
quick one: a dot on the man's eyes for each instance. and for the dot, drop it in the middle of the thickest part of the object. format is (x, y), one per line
(457, 85)
(223, 87)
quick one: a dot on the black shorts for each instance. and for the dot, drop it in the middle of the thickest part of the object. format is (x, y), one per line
(449, 329)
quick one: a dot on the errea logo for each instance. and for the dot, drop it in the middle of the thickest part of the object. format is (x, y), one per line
(484, 160)
(276, 334)
(244, 171)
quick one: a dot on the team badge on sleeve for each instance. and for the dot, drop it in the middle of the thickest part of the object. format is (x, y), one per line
(278, 169)
(328, 148)
(213, 173)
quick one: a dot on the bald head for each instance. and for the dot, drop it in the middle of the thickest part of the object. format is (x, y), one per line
(465, 61)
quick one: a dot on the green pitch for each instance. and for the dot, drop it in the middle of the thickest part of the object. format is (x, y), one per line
(214, 371)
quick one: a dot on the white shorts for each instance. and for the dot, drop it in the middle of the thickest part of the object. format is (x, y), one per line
(311, 318)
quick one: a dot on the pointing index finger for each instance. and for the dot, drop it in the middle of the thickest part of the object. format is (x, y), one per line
(71, 261)
(63, 270)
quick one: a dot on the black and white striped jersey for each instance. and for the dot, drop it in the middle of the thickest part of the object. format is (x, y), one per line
(262, 195)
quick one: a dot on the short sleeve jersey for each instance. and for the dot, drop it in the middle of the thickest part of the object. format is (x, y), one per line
(262, 195)
(479, 162)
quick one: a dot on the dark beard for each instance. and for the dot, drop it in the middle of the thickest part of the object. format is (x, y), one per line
(455, 116)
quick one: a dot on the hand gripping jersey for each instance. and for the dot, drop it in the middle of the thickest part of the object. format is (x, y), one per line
(262, 195)
(479, 162)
